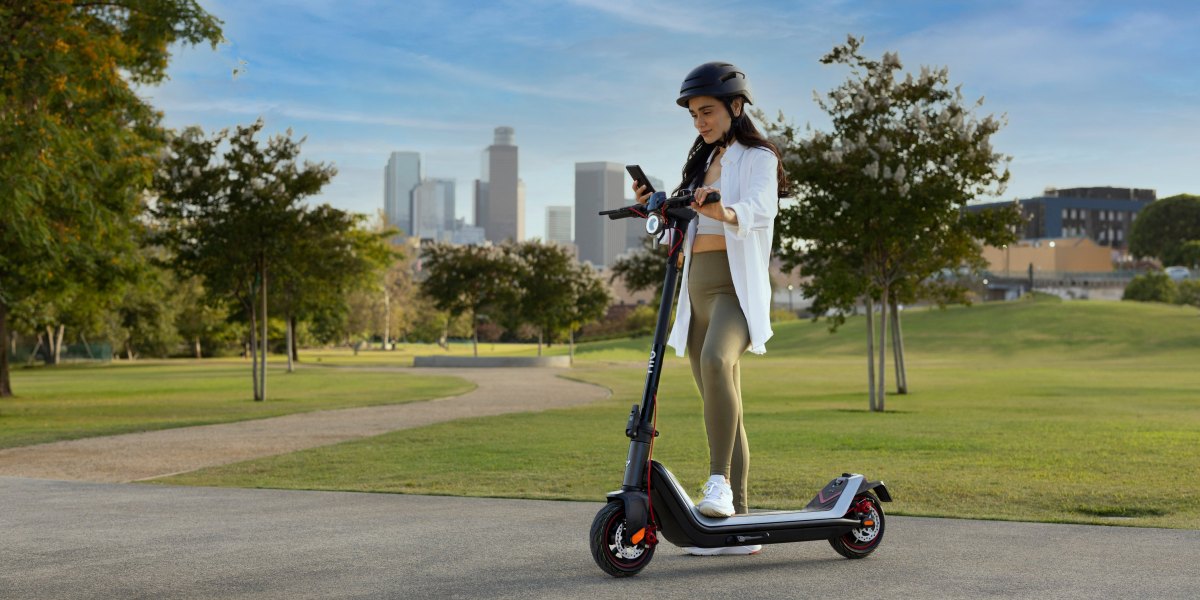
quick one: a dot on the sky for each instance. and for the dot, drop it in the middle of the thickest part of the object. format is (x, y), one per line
(1094, 93)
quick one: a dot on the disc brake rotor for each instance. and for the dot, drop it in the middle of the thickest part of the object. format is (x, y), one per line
(866, 534)
(619, 548)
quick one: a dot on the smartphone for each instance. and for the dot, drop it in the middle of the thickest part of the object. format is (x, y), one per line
(639, 177)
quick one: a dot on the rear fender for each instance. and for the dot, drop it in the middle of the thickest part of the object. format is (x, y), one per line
(878, 487)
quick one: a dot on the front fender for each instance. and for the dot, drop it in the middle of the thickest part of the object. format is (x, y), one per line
(637, 509)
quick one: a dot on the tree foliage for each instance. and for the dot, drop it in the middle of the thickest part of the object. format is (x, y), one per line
(77, 143)
(1165, 227)
(643, 269)
(469, 280)
(880, 210)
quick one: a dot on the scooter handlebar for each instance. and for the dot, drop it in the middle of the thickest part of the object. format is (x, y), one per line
(644, 210)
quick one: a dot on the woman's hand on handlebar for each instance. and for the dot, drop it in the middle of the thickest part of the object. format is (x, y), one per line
(713, 210)
(642, 192)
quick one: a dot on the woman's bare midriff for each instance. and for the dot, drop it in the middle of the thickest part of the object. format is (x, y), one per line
(708, 243)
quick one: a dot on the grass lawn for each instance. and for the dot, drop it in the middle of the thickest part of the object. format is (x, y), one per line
(69, 402)
(1083, 412)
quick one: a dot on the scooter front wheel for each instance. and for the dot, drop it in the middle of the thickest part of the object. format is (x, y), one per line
(611, 547)
(862, 541)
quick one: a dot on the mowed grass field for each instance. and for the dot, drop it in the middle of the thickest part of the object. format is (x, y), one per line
(70, 402)
(1083, 412)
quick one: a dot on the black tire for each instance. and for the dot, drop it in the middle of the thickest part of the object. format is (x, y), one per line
(612, 549)
(862, 541)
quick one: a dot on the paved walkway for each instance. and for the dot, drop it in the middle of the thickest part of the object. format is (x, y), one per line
(90, 540)
(151, 454)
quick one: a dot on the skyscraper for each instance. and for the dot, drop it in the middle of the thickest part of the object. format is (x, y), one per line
(499, 193)
(599, 186)
(433, 209)
(402, 174)
(558, 225)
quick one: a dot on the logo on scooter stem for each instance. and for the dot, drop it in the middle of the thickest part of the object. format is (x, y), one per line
(650, 365)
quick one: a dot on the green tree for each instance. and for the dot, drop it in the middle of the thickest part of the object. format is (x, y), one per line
(590, 302)
(547, 282)
(328, 256)
(1164, 227)
(464, 280)
(643, 269)
(76, 141)
(882, 197)
(202, 321)
(143, 321)
(233, 218)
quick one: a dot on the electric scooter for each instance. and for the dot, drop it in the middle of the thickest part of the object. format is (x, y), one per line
(652, 504)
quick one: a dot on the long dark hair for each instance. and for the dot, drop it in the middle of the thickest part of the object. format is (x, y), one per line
(742, 130)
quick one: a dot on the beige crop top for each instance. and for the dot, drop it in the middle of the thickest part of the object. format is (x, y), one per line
(706, 225)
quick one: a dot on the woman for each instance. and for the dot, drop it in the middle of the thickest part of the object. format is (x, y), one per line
(725, 296)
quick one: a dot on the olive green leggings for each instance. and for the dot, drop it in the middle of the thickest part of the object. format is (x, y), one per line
(716, 340)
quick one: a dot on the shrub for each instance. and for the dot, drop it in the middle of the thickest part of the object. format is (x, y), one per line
(1188, 292)
(641, 320)
(1150, 287)
(779, 315)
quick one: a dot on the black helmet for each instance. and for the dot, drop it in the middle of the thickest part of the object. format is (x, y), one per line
(717, 79)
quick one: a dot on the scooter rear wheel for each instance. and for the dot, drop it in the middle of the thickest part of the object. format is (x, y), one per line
(861, 541)
(611, 547)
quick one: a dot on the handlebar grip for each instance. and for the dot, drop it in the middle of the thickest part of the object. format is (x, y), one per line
(712, 197)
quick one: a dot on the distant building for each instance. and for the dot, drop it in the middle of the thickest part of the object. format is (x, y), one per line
(558, 225)
(1048, 256)
(400, 177)
(499, 192)
(433, 210)
(599, 186)
(1103, 214)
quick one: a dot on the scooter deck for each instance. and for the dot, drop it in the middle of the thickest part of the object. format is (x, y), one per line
(681, 524)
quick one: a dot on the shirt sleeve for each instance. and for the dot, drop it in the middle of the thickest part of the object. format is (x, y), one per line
(759, 201)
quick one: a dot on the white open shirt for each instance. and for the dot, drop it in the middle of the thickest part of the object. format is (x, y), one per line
(749, 187)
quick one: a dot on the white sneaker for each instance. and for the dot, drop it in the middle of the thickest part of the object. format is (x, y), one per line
(726, 551)
(718, 498)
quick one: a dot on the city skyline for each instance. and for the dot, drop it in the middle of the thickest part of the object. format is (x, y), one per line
(1096, 93)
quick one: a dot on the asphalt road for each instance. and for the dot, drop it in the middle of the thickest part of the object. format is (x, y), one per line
(97, 540)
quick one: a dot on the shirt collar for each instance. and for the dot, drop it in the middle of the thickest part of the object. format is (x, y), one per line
(733, 153)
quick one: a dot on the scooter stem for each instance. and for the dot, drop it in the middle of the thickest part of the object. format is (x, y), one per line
(642, 420)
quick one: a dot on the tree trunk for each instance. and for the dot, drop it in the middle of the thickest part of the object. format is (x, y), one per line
(883, 325)
(387, 318)
(254, 349)
(86, 346)
(898, 351)
(36, 347)
(262, 379)
(291, 367)
(870, 354)
(5, 383)
(58, 344)
(539, 342)
(292, 347)
(474, 334)
(52, 353)
(571, 351)
(196, 347)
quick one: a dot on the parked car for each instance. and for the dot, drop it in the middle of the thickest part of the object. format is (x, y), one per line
(1178, 273)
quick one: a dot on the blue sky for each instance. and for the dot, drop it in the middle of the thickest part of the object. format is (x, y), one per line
(1095, 93)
